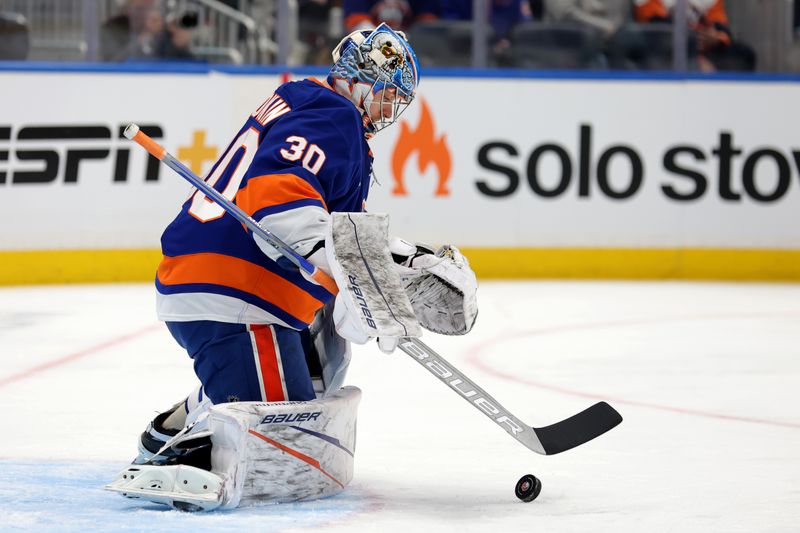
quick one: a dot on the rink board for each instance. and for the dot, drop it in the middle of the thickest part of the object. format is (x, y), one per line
(535, 177)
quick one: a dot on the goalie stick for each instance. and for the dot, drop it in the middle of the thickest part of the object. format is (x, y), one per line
(548, 440)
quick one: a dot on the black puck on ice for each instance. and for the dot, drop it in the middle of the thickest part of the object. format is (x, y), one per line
(528, 488)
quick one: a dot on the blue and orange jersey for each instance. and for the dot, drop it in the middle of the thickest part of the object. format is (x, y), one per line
(300, 156)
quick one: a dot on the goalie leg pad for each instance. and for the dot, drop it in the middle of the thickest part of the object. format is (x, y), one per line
(285, 452)
(260, 453)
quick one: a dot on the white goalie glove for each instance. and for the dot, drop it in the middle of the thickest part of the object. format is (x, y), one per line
(440, 284)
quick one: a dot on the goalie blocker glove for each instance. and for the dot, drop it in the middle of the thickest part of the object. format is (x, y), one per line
(440, 284)
(372, 301)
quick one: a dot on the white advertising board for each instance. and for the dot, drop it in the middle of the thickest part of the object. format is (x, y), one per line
(481, 162)
(546, 163)
(68, 178)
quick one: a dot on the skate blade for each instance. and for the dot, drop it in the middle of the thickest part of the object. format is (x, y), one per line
(181, 487)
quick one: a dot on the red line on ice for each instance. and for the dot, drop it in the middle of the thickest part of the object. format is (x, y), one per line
(474, 358)
(77, 355)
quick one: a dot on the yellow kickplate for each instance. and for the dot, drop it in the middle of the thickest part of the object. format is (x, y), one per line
(77, 266)
(98, 266)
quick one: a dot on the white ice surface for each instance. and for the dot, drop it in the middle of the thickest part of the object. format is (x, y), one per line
(706, 376)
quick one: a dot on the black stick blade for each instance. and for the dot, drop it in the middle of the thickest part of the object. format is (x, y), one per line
(578, 429)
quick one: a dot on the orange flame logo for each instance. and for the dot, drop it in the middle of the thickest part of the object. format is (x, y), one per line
(429, 150)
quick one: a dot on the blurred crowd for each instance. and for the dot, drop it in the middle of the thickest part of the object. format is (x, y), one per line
(577, 34)
(142, 30)
(623, 34)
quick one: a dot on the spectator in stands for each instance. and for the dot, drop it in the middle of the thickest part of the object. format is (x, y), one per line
(115, 32)
(399, 14)
(796, 17)
(146, 39)
(603, 19)
(712, 39)
(175, 42)
(141, 32)
(14, 36)
(604, 16)
(314, 30)
(503, 15)
(537, 9)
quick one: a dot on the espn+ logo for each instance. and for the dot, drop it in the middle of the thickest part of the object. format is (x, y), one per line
(46, 154)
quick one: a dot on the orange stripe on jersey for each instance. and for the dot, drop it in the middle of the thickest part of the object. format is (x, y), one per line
(325, 280)
(271, 374)
(218, 269)
(275, 189)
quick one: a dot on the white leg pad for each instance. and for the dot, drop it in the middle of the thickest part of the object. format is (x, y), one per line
(260, 452)
(285, 452)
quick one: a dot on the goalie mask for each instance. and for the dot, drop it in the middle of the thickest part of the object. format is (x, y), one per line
(376, 68)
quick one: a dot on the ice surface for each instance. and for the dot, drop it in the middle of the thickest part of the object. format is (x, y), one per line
(707, 377)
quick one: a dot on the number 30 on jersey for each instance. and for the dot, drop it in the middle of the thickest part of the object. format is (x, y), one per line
(313, 156)
(205, 210)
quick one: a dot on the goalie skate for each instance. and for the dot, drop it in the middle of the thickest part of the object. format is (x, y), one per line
(182, 487)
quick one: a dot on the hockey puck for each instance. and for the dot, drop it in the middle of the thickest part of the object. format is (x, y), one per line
(528, 488)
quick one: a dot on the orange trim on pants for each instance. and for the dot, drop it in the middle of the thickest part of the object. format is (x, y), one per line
(227, 271)
(268, 360)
